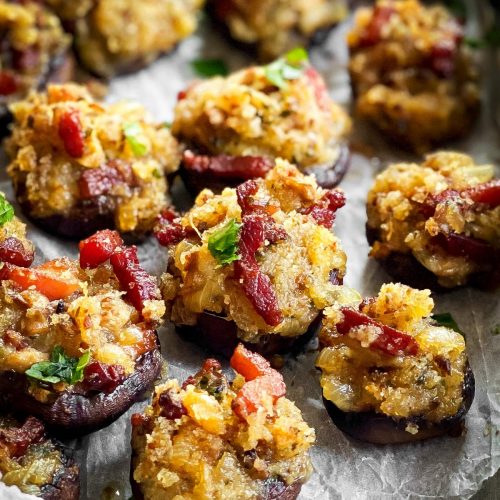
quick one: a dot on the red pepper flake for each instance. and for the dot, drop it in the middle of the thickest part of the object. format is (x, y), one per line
(19, 439)
(325, 210)
(390, 341)
(71, 133)
(100, 377)
(8, 83)
(98, 248)
(13, 252)
(227, 167)
(138, 285)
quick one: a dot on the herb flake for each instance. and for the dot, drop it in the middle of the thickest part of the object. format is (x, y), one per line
(447, 320)
(6, 210)
(60, 368)
(223, 243)
(134, 135)
(289, 67)
(209, 67)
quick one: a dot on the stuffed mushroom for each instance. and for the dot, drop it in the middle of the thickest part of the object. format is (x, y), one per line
(390, 373)
(35, 463)
(257, 263)
(78, 166)
(273, 27)
(211, 438)
(34, 51)
(15, 248)
(78, 341)
(117, 36)
(411, 74)
(234, 127)
(437, 225)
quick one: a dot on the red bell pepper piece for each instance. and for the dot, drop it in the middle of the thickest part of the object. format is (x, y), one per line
(389, 341)
(98, 248)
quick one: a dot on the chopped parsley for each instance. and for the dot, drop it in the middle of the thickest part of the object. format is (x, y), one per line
(223, 243)
(133, 134)
(60, 368)
(209, 67)
(289, 67)
(446, 320)
(6, 210)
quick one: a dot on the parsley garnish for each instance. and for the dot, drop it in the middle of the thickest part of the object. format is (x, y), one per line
(60, 368)
(289, 67)
(133, 133)
(446, 320)
(223, 243)
(209, 67)
(6, 210)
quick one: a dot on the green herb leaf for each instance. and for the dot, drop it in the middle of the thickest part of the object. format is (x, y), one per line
(133, 134)
(6, 210)
(209, 67)
(60, 368)
(289, 67)
(223, 243)
(446, 320)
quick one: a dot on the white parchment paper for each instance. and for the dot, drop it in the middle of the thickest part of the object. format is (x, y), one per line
(443, 467)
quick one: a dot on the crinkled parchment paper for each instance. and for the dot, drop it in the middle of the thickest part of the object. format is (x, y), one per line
(443, 467)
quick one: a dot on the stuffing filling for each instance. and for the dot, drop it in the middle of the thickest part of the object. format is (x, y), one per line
(445, 212)
(388, 356)
(211, 438)
(69, 153)
(411, 74)
(262, 255)
(275, 111)
(78, 326)
(275, 26)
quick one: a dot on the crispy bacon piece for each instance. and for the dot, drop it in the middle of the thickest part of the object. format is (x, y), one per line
(13, 251)
(71, 133)
(487, 193)
(100, 377)
(8, 83)
(98, 248)
(224, 166)
(260, 379)
(258, 227)
(464, 246)
(390, 341)
(135, 281)
(169, 230)
(324, 211)
(98, 181)
(442, 57)
(18, 439)
(373, 31)
(171, 408)
(25, 60)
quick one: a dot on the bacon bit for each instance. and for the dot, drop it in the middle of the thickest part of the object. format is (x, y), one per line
(140, 420)
(390, 341)
(99, 181)
(8, 83)
(171, 408)
(325, 210)
(169, 230)
(320, 90)
(464, 246)
(45, 279)
(428, 207)
(487, 193)
(373, 31)
(15, 339)
(100, 377)
(98, 248)
(71, 133)
(18, 439)
(227, 167)
(138, 285)
(25, 60)
(260, 379)
(13, 251)
(442, 57)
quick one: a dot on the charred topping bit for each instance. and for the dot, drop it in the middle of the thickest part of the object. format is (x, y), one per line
(18, 439)
(171, 407)
(210, 378)
(224, 166)
(71, 133)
